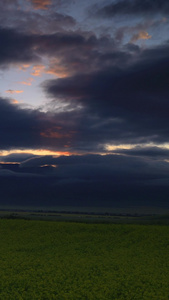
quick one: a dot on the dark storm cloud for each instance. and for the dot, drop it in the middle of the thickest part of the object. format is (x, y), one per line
(26, 48)
(81, 59)
(9, 173)
(21, 16)
(16, 48)
(62, 131)
(102, 167)
(156, 153)
(23, 48)
(16, 157)
(135, 92)
(34, 22)
(134, 7)
(88, 180)
(9, 3)
(17, 126)
(119, 87)
(80, 52)
(60, 41)
(45, 192)
(148, 75)
(69, 51)
(26, 128)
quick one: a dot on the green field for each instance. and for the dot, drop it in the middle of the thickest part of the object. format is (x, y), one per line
(63, 260)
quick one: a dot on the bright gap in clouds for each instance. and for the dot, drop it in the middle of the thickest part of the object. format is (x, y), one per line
(28, 79)
(110, 147)
(39, 152)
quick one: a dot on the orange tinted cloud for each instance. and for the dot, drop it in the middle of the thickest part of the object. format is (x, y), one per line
(51, 134)
(34, 152)
(8, 162)
(58, 71)
(27, 82)
(38, 70)
(142, 35)
(54, 133)
(41, 4)
(47, 165)
(14, 91)
(14, 101)
(56, 68)
(24, 67)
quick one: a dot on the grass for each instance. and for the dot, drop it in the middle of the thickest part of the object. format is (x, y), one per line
(74, 261)
(121, 218)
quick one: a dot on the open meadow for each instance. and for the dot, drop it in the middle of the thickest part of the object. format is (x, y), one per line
(80, 261)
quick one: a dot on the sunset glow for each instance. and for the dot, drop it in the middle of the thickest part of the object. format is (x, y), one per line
(39, 152)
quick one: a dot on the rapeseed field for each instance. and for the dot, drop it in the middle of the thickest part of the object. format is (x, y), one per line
(78, 261)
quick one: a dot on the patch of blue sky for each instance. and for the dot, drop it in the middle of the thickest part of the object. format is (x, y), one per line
(20, 85)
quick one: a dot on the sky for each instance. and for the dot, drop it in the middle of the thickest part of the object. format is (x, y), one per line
(84, 103)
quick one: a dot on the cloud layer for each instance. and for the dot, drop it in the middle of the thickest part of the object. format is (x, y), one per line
(105, 86)
(135, 7)
(86, 181)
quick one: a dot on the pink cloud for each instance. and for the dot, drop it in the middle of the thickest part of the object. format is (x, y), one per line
(14, 91)
(27, 82)
(41, 4)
